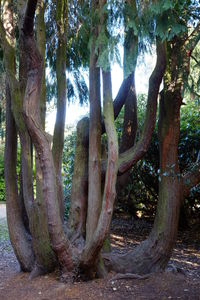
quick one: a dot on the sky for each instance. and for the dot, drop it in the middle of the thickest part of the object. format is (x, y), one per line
(75, 112)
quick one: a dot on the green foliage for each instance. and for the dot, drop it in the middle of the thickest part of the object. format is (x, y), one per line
(77, 51)
(68, 166)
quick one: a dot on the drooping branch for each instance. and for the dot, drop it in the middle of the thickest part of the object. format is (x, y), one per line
(191, 179)
(131, 156)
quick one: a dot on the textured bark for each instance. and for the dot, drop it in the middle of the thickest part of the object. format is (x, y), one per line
(79, 193)
(94, 169)
(19, 237)
(59, 243)
(58, 137)
(131, 156)
(40, 38)
(92, 249)
(45, 258)
(153, 254)
(130, 119)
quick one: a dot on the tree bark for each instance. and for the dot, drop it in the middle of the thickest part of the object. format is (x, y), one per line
(31, 111)
(45, 258)
(58, 137)
(92, 249)
(79, 193)
(94, 168)
(153, 254)
(134, 154)
(19, 237)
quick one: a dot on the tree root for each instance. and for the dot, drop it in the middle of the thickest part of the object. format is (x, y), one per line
(37, 271)
(131, 276)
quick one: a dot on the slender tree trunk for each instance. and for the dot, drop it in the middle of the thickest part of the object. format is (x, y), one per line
(79, 194)
(58, 137)
(130, 108)
(40, 38)
(94, 169)
(92, 249)
(20, 239)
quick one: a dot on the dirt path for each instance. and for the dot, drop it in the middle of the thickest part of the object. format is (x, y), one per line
(169, 285)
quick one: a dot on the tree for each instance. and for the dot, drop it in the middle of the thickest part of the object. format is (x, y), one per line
(78, 248)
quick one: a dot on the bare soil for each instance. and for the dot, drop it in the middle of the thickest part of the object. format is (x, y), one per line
(180, 281)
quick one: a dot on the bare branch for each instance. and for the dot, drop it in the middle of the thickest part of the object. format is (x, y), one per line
(193, 39)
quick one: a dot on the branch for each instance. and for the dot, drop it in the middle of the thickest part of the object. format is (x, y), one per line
(134, 154)
(120, 98)
(193, 39)
(191, 179)
(29, 17)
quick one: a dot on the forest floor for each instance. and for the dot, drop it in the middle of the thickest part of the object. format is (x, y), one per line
(181, 281)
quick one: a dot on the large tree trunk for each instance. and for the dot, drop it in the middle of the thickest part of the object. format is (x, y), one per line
(45, 259)
(153, 254)
(31, 111)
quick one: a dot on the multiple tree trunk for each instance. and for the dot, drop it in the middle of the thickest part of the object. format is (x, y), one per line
(43, 244)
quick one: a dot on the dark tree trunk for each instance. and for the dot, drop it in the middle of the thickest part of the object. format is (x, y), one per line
(20, 239)
(44, 257)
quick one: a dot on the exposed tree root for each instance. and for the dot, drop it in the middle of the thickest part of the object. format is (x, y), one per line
(131, 276)
(37, 271)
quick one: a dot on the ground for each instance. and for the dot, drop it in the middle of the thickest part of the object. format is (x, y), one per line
(181, 281)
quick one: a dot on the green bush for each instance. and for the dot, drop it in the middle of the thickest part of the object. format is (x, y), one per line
(68, 166)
